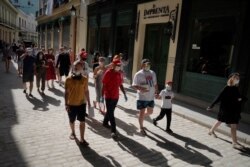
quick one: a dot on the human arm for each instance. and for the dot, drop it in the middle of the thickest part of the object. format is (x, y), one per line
(58, 61)
(124, 92)
(86, 92)
(217, 99)
(136, 84)
(66, 96)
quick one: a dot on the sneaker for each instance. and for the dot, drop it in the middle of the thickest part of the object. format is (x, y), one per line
(211, 133)
(155, 122)
(237, 146)
(30, 95)
(84, 143)
(143, 132)
(106, 126)
(72, 136)
(24, 91)
(114, 136)
(169, 131)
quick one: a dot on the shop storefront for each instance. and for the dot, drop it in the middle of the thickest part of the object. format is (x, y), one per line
(111, 30)
(212, 44)
(156, 37)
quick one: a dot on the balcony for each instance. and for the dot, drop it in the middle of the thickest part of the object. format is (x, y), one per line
(7, 23)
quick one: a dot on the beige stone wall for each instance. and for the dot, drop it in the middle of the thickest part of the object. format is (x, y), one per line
(139, 43)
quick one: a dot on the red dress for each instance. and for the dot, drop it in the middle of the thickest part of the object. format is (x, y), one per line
(51, 74)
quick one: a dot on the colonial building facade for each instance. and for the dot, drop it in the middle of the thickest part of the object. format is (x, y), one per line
(8, 15)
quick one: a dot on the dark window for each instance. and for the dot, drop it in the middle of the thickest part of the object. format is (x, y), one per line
(212, 46)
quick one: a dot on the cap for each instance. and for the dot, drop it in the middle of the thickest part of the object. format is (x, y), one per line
(116, 62)
(233, 74)
(144, 61)
(84, 55)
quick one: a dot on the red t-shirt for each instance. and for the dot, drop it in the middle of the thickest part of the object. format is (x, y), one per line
(112, 81)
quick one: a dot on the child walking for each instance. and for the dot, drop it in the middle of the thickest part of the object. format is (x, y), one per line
(166, 106)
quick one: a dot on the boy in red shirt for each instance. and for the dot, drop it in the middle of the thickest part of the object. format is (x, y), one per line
(112, 81)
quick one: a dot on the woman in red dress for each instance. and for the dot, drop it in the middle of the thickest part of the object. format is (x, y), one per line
(51, 74)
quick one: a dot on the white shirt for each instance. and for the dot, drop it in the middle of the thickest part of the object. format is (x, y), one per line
(146, 79)
(166, 96)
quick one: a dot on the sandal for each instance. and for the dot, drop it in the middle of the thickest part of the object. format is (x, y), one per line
(212, 133)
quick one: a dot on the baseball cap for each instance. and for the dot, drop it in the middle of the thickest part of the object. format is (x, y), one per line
(84, 54)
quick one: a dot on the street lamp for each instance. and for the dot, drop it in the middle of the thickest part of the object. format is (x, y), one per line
(73, 11)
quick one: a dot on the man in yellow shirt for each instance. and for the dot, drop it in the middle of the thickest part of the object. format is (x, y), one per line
(76, 87)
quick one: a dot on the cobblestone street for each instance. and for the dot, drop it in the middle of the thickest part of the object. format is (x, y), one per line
(34, 132)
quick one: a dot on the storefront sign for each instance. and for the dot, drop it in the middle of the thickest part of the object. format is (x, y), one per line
(154, 12)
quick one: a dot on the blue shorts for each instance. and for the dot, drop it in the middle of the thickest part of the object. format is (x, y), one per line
(141, 104)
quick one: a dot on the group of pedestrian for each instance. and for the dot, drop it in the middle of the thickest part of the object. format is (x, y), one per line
(108, 80)
(31, 61)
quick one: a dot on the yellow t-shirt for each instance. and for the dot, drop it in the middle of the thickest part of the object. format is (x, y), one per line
(75, 90)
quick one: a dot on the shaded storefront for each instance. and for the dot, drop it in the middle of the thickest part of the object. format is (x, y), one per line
(212, 44)
(111, 30)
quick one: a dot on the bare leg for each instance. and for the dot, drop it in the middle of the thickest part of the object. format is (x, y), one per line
(31, 87)
(52, 83)
(82, 130)
(215, 126)
(72, 126)
(141, 117)
(234, 133)
(149, 111)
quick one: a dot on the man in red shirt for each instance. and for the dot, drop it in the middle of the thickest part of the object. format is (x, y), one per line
(112, 81)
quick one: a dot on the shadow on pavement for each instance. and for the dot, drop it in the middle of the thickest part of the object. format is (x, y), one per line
(147, 156)
(130, 128)
(186, 154)
(9, 149)
(96, 127)
(51, 100)
(38, 104)
(133, 113)
(190, 142)
(94, 158)
(42, 105)
(245, 152)
(57, 92)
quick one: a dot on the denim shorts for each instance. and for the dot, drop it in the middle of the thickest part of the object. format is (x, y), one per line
(141, 104)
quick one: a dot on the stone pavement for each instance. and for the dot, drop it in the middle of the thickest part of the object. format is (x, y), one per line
(34, 133)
